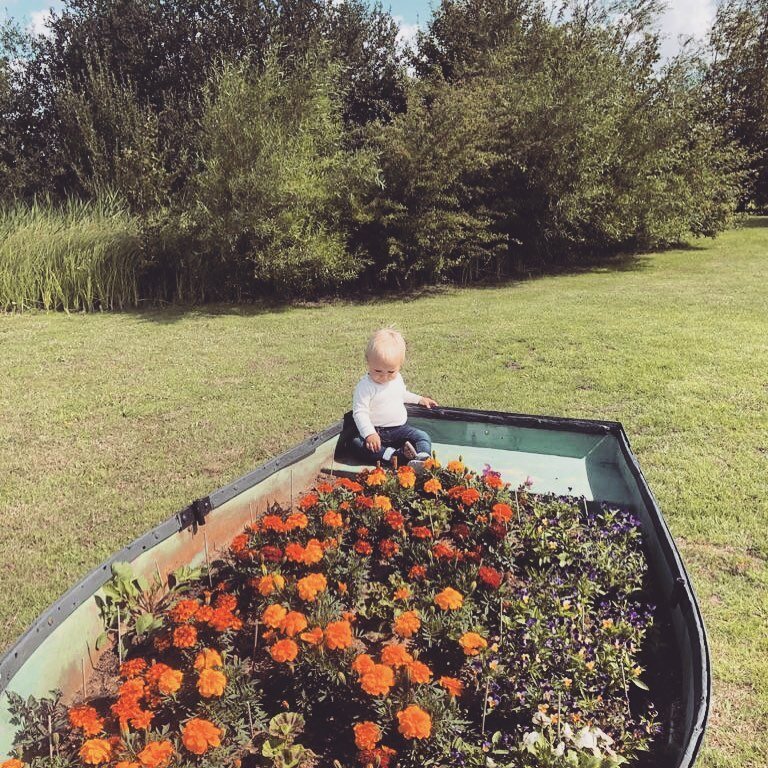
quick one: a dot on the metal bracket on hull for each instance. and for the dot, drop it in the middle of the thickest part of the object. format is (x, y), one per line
(194, 514)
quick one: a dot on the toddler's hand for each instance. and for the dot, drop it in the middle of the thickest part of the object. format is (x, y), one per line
(428, 402)
(373, 442)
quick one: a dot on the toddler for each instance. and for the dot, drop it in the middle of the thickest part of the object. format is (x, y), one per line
(378, 406)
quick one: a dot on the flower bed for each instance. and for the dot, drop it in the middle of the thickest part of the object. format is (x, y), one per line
(391, 620)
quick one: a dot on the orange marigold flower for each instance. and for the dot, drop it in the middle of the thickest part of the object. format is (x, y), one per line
(472, 643)
(402, 593)
(406, 477)
(414, 723)
(388, 548)
(333, 519)
(12, 763)
(296, 520)
(295, 552)
(350, 485)
(211, 682)
(265, 585)
(431, 463)
(367, 735)
(205, 613)
(208, 658)
(449, 599)
(293, 623)
(96, 751)
(132, 668)
(310, 586)
(395, 655)
(419, 672)
(493, 480)
(377, 477)
(284, 650)
(342, 586)
(407, 624)
(324, 488)
(170, 681)
(86, 718)
(394, 519)
(417, 573)
(226, 601)
(313, 637)
(421, 532)
(239, 543)
(273, 615)
(453, 685)
(469, 496)
(383, 503)
(223, 619)
(308, 501)
(127, 764)
(156, 754)
(200, 735)
(490, 576)
(455, 466)
(363, 663)
(378, 680)
(433, 486)
(184, 610)
(443, 551)
(501, 513)
(338, 635)
(184, 636)
(363, 547)
(142, 719)
(313, 552)
(273, 523)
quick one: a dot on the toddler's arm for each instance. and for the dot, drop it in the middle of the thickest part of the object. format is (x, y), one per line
(361, 410)
(412, 397)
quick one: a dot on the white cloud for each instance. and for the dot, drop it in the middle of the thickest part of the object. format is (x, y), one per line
(38, 20)
(407, 33)
(682, 20)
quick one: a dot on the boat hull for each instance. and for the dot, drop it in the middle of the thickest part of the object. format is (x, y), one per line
(590, 459)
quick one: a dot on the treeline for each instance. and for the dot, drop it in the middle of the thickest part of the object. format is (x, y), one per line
(231, 149)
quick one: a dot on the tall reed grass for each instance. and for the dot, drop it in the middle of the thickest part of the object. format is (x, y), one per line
(78, 256)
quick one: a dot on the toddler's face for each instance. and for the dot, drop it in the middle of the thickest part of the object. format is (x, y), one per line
(382, 371)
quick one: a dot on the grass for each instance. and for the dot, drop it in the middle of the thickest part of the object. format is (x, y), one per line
(112, 422)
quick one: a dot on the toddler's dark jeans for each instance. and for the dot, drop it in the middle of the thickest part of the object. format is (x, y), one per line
(394, 437)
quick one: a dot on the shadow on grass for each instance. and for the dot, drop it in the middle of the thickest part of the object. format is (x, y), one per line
(754, 222)
(172, 313)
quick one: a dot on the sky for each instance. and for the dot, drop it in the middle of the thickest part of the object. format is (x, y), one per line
(683, 17)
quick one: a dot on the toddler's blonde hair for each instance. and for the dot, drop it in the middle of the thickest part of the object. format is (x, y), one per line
(387, 344)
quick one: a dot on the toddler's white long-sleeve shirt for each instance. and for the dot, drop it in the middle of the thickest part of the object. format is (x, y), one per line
(380, 405)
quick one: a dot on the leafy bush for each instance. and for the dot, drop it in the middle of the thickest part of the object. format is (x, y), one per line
(277, 191)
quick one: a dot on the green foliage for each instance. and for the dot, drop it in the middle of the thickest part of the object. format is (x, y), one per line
(40, 723)
(431, 218)
(109, 142)
(277, 190)
(737, 86)
(80, 256)
(132, 607)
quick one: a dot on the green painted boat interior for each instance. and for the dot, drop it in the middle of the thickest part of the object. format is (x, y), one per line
(584, 459)
(557, 462)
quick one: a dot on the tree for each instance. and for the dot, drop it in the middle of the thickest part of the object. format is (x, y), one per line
(738, 86)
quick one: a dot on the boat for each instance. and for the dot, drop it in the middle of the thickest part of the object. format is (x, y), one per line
(590, 459)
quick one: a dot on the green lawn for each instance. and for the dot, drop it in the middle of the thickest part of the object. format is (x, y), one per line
(112, 422)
